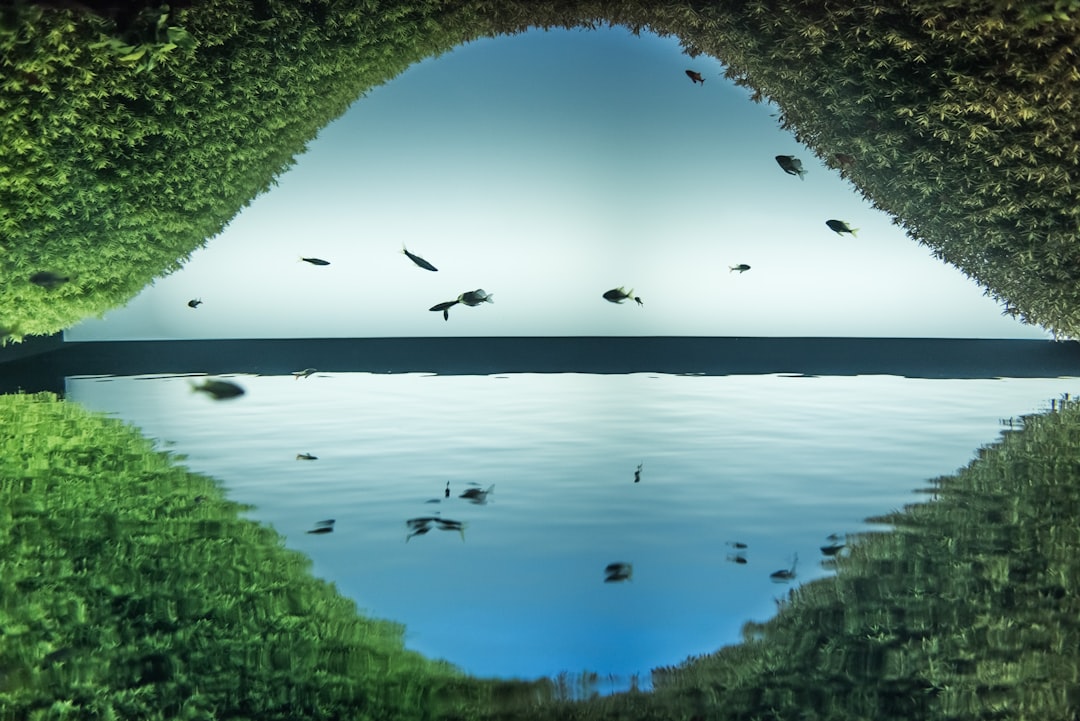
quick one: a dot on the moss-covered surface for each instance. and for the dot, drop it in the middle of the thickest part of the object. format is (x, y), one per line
(131, 137)
(129, 588)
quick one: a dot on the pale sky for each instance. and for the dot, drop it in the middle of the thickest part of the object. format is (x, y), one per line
(546, 169)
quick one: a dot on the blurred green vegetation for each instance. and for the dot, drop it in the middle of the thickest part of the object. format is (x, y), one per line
(129, 141)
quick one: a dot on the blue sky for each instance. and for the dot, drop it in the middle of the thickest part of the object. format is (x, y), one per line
(547, 168)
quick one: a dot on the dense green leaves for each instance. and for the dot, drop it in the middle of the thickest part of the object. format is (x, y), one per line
(137, 141)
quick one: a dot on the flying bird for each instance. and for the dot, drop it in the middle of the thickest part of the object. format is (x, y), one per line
(618, 295)
(791, 165)
(839, 227)
(418, 260)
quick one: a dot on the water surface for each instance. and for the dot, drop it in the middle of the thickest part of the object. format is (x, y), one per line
(778, 462)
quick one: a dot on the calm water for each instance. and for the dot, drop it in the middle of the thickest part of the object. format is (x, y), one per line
(775, 462)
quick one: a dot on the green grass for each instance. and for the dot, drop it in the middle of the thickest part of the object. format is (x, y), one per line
(130, 142)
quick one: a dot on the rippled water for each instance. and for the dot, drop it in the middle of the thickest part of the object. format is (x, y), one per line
(773, 461)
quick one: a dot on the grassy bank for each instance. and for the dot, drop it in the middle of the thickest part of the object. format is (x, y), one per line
(133, 136)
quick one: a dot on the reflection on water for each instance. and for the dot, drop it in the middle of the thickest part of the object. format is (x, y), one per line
(677, 477)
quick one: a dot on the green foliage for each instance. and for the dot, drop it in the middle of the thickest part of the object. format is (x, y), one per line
(145, 55)
(125, 149)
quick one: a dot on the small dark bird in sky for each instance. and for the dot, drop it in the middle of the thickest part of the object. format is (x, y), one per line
(194, 303)
(637, 473)
(445, 308)
(474, 298)
(418, 260)
(839, 226)
(447, 494)
(791, 165)
(741, 267)
(316, 261)
(695, 77)
(618, 295)
(306, 457)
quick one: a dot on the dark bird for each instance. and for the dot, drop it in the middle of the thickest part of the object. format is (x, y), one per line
(418, 260)
(839, 226)
(194, 303)
(316, 261)
(326, 523)
(741, 267)
(787, 574)
(845, 160)
(737, 544)
(297, 375)
(445, 308)
(737, 558)
(695, 77)
(475, 495)
(306, 457)
(615, 572)
(322, 529)
(219, 390)
(791, 165)
(618, 295)
(637, 473)
(474, 298)
(48, 280)
(447, 494)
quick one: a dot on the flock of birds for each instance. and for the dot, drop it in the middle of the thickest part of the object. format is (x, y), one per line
(614, 572)
(472, 298)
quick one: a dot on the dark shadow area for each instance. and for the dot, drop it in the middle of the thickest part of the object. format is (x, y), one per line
(909, 357)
